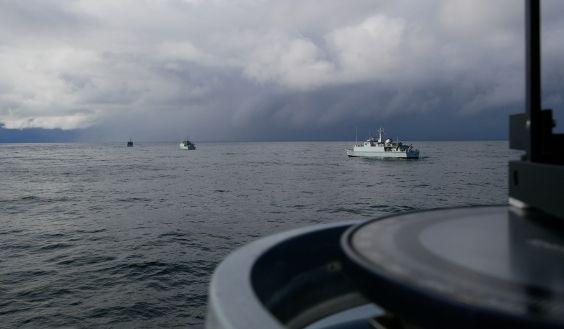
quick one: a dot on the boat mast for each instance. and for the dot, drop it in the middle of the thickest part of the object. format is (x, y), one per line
(380, 132)
(355, 135)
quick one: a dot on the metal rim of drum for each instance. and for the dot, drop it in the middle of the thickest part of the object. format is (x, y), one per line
(420, 306)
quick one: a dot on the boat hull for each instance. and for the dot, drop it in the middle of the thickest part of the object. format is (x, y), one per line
(384, 154)
(184, 147)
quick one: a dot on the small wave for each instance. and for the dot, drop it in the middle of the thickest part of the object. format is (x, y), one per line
(19, 246)
(90, 231)
(51, 235)
(42, 293)
(55, 246)
(98, 239)
(397, 209)
(175, 237)
(134, 199)
(379, 206)
(158, 269)
(56, 258)
(86, 260)
(34, 199)
(138, 310)
(342, 210)
(173, 234)
(15, 231)
(217, 236)
(30, 197)
(22, 276)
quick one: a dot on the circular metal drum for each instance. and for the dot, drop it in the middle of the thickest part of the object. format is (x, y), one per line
(480, 267)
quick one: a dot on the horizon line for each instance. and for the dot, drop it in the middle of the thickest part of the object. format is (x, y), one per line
(251, 141)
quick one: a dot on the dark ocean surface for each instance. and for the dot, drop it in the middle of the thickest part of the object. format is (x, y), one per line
(100, 235)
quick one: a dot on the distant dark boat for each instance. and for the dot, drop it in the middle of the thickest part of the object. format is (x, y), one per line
(187, 145)
(130, 143)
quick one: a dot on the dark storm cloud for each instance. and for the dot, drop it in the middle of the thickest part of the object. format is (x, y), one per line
(256, 68)
(38, 17)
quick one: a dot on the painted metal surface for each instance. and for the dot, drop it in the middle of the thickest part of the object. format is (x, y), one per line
(383, 148)
(272, 282)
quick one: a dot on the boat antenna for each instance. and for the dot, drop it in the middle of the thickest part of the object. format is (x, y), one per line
(355, 135)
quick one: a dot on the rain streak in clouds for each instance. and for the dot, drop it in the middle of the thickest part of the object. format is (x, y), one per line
(252, 68)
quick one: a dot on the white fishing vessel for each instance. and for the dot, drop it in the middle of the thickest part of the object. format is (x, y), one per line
(380, 148)
(187, 145)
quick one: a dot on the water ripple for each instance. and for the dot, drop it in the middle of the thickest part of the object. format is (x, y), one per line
(97, 235)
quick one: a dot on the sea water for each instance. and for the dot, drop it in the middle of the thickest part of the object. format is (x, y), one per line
(101, 235)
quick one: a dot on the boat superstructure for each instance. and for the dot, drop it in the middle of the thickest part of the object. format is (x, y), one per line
(383, 148)
(130, 143)
(187, 145)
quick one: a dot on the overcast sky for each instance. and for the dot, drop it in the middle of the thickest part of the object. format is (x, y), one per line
(258, 69)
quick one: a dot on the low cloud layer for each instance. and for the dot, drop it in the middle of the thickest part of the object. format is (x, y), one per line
(227, 69)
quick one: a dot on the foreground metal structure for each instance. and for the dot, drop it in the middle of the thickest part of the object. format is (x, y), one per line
(477, 267)
(282, 281)
(538, 179)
